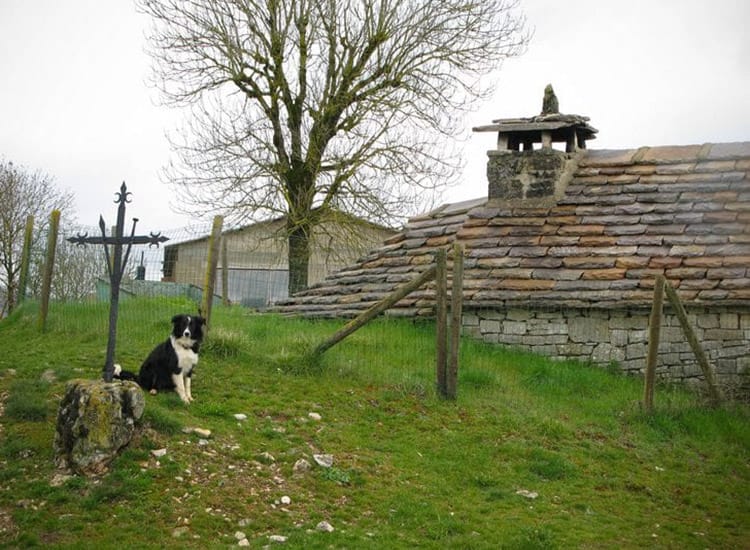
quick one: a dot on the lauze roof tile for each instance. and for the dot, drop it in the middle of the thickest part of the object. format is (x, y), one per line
(624, 217)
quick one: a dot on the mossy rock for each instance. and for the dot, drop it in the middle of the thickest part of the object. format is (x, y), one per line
(95, 421)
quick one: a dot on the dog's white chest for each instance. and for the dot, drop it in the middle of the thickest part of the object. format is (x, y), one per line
(186, 359)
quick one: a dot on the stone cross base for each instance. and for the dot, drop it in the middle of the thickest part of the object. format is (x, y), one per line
(94, 422)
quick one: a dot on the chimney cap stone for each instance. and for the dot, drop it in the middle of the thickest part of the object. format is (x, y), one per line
(549, 126)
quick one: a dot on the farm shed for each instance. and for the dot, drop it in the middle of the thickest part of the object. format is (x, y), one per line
(256, 255)
(561, 255)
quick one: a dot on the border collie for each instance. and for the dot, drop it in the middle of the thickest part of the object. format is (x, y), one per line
(170, 365)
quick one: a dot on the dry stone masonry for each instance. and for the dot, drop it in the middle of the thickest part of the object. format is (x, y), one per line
(569, 271)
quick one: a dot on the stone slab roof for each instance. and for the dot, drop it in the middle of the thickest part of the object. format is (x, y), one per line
(626, 216)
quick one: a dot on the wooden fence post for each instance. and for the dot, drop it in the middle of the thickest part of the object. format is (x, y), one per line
(375, 309)
(457, 294)
(209, 283)
(25, 259)
(49, 265)
(654, 329)
(692, 338)
(441, 321)
(224, 272)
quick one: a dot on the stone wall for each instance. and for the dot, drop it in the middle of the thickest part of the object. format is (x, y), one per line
(526, 175)
(621, 336)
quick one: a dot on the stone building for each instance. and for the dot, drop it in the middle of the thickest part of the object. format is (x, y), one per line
(561, 256)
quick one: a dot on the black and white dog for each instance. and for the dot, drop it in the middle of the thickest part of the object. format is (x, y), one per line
(170, 365)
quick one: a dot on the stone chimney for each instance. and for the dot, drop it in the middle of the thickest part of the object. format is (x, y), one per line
(517, 170)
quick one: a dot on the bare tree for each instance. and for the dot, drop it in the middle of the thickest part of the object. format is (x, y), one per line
(23, 193)
(76, 270)
(307, 107)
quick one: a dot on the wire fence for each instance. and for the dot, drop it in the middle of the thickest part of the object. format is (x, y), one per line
(252, 271)
(252, 276)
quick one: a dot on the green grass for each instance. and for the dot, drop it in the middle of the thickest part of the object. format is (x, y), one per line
(410, 470)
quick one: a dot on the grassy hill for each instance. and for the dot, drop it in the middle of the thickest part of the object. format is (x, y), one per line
(533, 454)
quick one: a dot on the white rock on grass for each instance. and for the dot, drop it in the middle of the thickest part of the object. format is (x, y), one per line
(527, 494)
(314, 416)
(240, 416)
(285, 500)
(325, 527)
(158, 453)
(239, 535)
(277, 538)
(200, 432)
(326, 461)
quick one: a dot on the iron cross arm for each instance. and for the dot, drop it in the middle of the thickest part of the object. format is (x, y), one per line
(152, 240)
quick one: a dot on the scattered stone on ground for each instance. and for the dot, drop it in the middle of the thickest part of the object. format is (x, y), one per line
(527, 494)
(326, 461)
(301, 466)
(240, 416)
(314, 416)
(325, 527)
(200, 432)
(59, 479)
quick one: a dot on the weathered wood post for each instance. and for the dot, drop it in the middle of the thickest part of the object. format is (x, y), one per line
(209, 281)
(457, 294)
(654, 329)
(49, 266)
(224, 272)
(441, 321)
(28, 234)
(713, 388)
(374, 310)
(116, 265)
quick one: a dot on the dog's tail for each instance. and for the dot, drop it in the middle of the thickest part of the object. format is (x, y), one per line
(121, 374)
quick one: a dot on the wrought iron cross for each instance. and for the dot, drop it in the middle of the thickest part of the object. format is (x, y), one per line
(116, 265)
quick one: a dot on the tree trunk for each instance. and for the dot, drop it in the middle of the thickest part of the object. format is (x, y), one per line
(299, 258)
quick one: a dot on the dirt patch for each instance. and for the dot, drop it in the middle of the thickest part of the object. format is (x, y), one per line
(8, 527)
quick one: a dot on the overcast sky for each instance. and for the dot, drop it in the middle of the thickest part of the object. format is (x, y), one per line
(74, 103)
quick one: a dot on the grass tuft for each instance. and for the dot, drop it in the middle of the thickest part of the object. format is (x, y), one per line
(27, 401)
(161, 420)
(224, 344)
